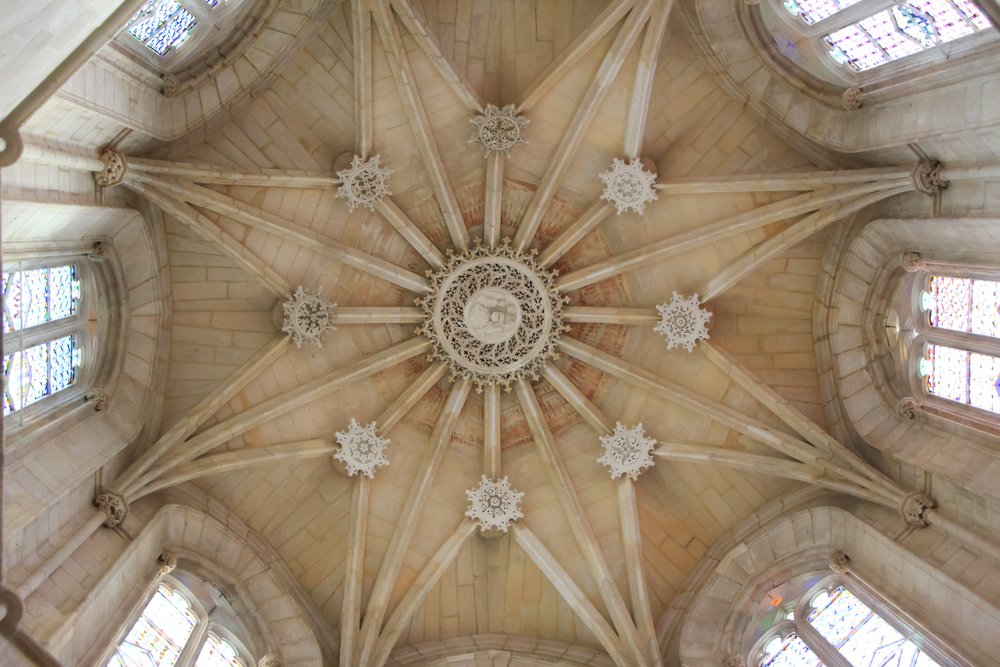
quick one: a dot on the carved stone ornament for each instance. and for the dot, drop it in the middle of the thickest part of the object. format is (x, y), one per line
(114, 506)
(498, 129)
(627, 452)
(912, 261)
(628, 186)
(307, 317)
(170, 85)
(915, 506)
(851, 98)
(493, 315)
(167, 562)
(839, 562)
(361, 449)
(115, 167)
(98, 398)
(734, 660)
(927, 177)
(269, 661)
(683, 322)
(494, 504)
(99, 252)
(364, 182)
(908, 407)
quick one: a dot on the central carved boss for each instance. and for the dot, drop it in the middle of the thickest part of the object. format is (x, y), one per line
(493, 316)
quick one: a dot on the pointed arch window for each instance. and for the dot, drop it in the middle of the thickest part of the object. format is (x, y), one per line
(43, 332)
(961, 332)
(864, 34)
(174, 630)
(837, 625)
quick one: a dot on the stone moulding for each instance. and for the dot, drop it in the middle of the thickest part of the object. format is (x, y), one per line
(493, 316)
(494, 505)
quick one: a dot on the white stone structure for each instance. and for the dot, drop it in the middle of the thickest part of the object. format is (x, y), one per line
(683, 322)
(307, 316)
(627, 451)
(494, 504)
(361, 449)
(628, 186)
(364, 182)
(498, 130)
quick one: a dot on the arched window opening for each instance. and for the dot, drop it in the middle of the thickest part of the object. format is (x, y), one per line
(831, 622)
(187, 622)
(159, 634)
(161, 25)
(883, 34)
(961, 325)
(42, 333)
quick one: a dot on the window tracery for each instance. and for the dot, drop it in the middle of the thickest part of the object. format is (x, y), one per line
(174, 630)
(42, 332)
(832, 623)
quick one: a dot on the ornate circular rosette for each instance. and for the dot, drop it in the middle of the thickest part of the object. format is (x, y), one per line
(498, 129)
(307, 316)
(494, 504)
(627, 451)
(628, 186)
(683, 322)
(364, 182)
(494, 316)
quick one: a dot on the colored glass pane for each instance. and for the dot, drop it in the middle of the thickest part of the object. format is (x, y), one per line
(39, 371)
(151, 16)
(217, 652)
(965, 304)
(163, 24)
(907, 28)
(173, 34)
(863, 637)
(789, 651)
(37, 296)
(159, 636)
(812, 11)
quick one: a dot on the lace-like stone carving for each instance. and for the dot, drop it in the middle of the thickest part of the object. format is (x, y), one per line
(683, 322)
(498, 129)
(170, 85)
(115, 167)
(493, 316)
(628, 186)
(927, 177)
(915, 506)
(627, 451)
(361, 449)
(167, 562)
(269, 661)
(364, 182)
(494, 504)
(307, 317)
(114, 507)
(734, 660)
(908, 407)
(912, 261)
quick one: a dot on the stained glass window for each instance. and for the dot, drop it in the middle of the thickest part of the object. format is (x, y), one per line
(863, 637)
(217, 652)
(37, 296)
(788, 651)
(963, 376)
(905, 29)
(164, 24)
(964, 304)
(159, 636)
(32, 374)
(812, 11)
